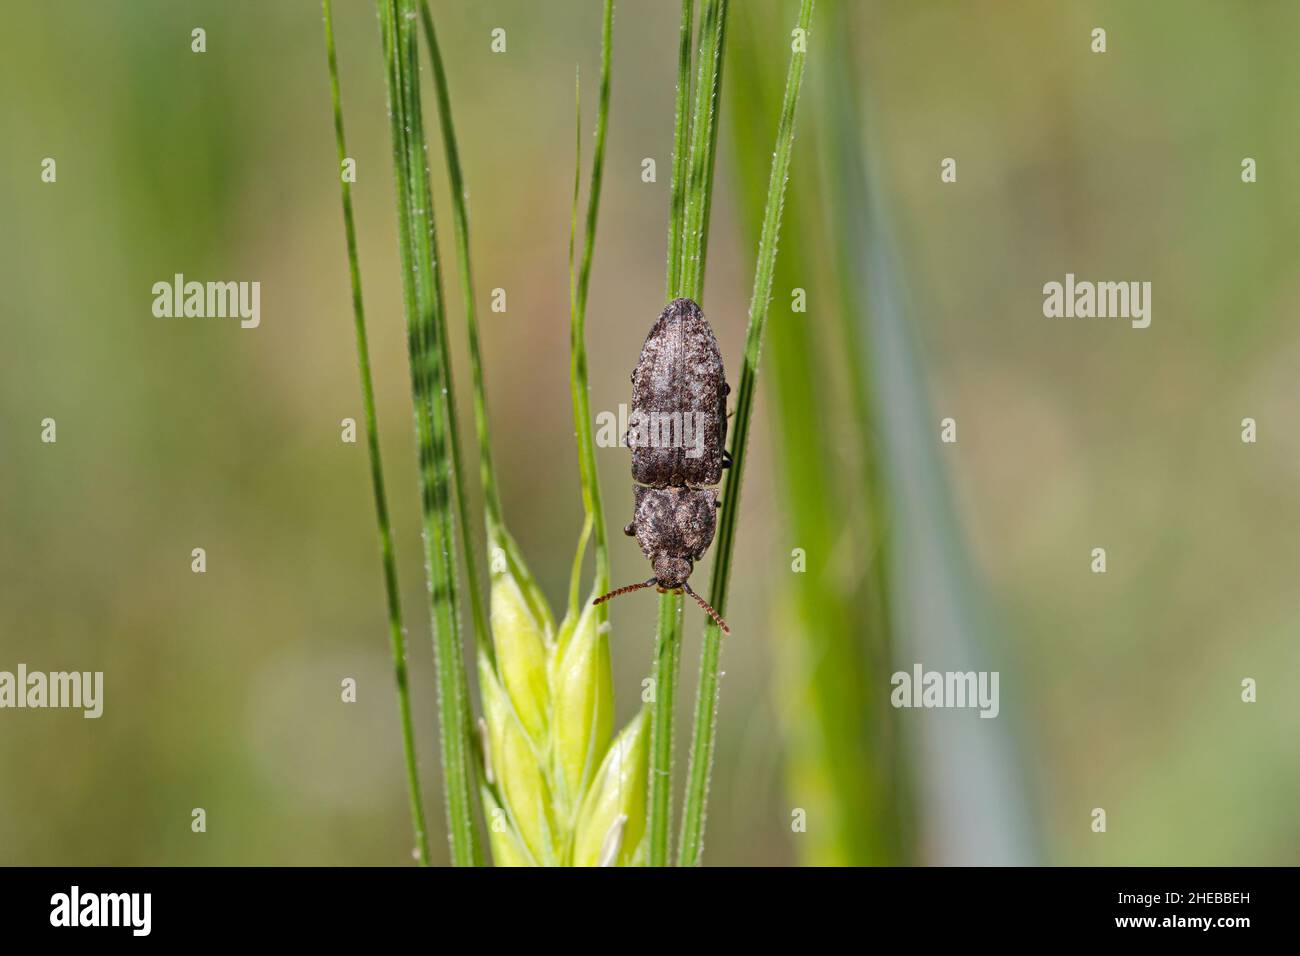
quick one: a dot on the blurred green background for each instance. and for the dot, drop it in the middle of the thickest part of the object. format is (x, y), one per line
(1118, 691)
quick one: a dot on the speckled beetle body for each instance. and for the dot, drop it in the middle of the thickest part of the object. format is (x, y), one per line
(679, 374)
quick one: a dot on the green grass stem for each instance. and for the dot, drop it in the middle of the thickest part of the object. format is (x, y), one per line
(579, 284)
(694, 143)
(681, 132)
(396, 631)
(706, 702)
(434, 417)
(493, 519)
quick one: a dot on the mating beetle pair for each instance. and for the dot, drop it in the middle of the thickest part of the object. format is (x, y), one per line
(680, 378)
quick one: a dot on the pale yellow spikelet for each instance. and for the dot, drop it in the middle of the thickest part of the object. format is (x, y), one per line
(520, 640)
(517, 773)
(582, 719)
(612, 820)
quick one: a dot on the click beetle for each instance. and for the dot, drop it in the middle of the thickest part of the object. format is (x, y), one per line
(679, 388)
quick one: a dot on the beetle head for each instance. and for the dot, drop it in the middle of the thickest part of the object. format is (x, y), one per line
(658, 580)
(671, 571)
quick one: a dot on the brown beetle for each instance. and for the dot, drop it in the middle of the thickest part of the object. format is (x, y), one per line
(679, 390)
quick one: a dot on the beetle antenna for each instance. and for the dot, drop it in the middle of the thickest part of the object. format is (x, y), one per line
(707, 609)
(624, 590)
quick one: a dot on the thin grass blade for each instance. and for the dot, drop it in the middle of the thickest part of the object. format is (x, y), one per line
(396, 630)
(434, 418)
(681, 134)
(689, 214)
(706, 701)
(579, 284)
